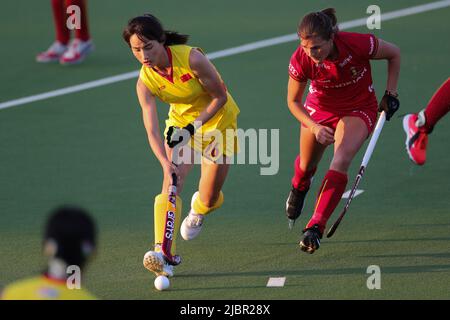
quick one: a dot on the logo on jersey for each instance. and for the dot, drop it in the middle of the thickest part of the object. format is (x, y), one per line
(162, 87)
(372, 46)
(312, 90)
(185, 77)
(346, 61)
(356, 73)
(293, 71)
(48, 292)
(323, 66)
(365, 115)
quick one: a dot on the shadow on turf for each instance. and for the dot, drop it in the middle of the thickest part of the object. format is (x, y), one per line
(233, 288)
(445, 255)
(391, 240)
(220, 288)
(366, 240)
(337, 271)
(425, 225)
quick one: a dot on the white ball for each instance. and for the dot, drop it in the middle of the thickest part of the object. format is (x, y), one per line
(162, 283)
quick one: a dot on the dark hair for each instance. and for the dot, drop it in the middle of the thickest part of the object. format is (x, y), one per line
(318, 24)
(74, 233)
(150, 27)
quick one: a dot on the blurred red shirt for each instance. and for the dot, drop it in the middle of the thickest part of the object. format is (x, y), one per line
(341, 85)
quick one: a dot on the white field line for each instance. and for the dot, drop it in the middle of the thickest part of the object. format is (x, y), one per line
(222, 53)
(276, 282)
(347, 193)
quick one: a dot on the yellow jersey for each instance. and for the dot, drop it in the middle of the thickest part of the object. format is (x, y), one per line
(186, 96)
(43, 288)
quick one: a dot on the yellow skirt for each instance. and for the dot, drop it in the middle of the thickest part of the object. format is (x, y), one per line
(214, 144)
(215, 138)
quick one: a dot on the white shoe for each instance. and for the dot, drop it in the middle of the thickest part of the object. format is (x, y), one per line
(192, 224)
(53, 53)
(155, 262)
(77, 51)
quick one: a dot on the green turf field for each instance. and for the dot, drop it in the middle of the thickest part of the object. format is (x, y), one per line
(90, 148)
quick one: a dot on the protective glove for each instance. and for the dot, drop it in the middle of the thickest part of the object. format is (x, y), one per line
(176, 135)
(389, 104)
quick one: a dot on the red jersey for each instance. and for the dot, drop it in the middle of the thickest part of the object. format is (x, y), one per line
(344, 84)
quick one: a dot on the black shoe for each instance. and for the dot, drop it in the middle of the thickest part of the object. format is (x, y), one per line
(294, 203)
(311, 239)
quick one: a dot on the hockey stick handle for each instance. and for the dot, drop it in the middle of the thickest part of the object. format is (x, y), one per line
(373, 139)
(175, 162)
(174, 180)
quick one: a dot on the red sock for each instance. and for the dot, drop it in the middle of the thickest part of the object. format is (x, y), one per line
(438, 106)
(330, 193)
(301, 179)
(59, 18)
(83, 32)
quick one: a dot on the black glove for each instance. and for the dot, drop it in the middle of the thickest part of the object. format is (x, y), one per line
(176, 135)
(389, 104)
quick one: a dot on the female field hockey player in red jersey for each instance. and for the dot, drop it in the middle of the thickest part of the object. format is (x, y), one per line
(340, 109)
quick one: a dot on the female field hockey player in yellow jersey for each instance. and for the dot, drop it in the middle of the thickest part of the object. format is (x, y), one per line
(183, 77)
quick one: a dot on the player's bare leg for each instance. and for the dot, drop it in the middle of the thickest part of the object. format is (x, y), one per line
(350, 134)
(208, 198)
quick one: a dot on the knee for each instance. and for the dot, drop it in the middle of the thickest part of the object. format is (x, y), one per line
(341, 162)
(305, 164)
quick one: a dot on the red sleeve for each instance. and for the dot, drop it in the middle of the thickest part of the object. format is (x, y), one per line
(296, 71)
(365, 45)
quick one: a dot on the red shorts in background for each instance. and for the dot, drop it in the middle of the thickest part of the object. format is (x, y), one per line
(331, 119)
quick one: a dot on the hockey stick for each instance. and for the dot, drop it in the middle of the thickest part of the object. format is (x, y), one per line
(171, 209)
(365, 161)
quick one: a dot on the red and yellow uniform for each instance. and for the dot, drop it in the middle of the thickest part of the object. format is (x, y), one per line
(187, 99)
(43, 288)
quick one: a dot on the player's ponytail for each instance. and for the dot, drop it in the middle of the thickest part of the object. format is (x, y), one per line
(149, 27)
(331, 13)
(175, 38)
(321, 24)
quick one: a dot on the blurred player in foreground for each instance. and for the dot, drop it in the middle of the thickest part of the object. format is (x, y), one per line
(340, 108)
(200, 107)
(62, 50)
(419, 125)
(69, 240)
